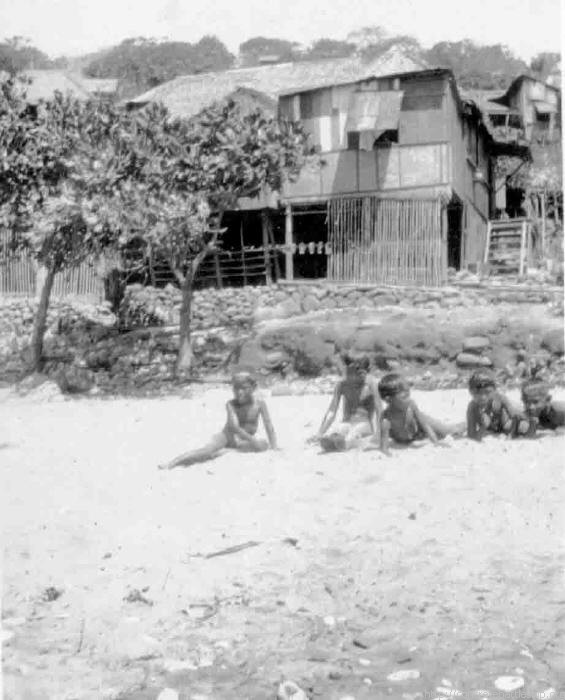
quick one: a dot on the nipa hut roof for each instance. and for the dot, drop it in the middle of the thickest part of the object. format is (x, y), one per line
(187, 95)
(45, 83)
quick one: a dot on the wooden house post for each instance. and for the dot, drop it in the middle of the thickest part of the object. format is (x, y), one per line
(543, 229)
(288, 240)
(265, 231)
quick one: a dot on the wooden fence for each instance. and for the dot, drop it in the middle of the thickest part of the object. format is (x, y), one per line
(386, 241)
(228, 268)
(19, 276)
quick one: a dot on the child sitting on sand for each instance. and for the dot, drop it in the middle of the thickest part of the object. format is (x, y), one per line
(243, 413)
(362, 408)
(489, 411)
(542, 411)
(402, 420)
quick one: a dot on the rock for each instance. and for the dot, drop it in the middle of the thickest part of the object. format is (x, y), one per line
(310, 303)
(476, 344)
(289, 308)
(502, 357)
(404, 675)
(554, 342)
(168, 694)
(466, 359)
(264, 313)
(509, 683)
(288, 690)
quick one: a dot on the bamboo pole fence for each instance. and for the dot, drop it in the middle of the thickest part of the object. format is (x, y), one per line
(386, 241)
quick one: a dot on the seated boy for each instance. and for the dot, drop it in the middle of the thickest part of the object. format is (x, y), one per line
(542, 411)
(361, 408)
(489, 411)
(402, 420)
(243, 413)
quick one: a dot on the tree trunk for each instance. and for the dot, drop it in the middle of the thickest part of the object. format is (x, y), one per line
(184, 358)
(40, 322)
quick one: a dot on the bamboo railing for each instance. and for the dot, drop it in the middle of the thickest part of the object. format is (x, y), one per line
(386, 241)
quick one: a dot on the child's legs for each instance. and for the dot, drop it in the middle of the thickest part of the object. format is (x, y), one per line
(259, 446)
(356, 432)
(210, 450)
(442, 430)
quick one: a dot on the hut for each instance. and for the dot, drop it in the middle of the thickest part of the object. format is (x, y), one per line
(407, 186)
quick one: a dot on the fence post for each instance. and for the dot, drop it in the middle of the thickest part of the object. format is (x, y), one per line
(265, 232)
(288, 238)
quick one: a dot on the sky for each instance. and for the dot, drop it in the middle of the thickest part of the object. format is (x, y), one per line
(73, 27)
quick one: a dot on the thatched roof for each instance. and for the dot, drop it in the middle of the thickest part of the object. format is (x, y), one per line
(187, 95)
(100, 86)
(45, 83)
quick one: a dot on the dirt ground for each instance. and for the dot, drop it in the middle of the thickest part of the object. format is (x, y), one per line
(445, 562)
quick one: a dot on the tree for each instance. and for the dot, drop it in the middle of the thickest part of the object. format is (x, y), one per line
(329, 48)
(56, 168)
(17, 54)
(542, 64)
(367, 36)
(141, 64)
(258, 47)
(193, 171)
(476, 66)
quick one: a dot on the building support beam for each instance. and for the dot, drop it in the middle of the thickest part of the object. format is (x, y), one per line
(288, 241)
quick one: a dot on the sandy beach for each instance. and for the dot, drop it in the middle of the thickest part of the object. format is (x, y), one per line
(446, 562)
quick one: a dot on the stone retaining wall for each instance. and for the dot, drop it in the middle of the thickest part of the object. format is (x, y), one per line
(87, 345)
(245, 306)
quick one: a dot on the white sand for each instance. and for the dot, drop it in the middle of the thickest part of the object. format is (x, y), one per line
(449, 557)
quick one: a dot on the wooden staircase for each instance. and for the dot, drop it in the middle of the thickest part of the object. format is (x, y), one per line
(507, 246)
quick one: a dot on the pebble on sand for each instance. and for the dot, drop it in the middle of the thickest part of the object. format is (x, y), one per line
(404, 675)
(509, 683)
(168, 694)
(288, 690)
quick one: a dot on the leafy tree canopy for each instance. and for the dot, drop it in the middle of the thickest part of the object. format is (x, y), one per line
(17, 54)
(476, 66)
(141, 63)
(329, 48)
(252, 50)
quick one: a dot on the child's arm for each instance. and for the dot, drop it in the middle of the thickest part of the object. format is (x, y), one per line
(331, 412)
(264, 413)
(474, 425)
(233, 425)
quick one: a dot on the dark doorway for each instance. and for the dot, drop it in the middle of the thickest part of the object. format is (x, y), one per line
(454, 231)
(310, 229)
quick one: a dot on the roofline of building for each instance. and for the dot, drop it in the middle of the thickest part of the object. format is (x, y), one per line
(423, 72)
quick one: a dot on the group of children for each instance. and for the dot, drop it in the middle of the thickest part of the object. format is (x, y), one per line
(365, 421)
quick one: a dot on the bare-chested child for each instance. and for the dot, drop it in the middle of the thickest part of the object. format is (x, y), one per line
(402, 420)
(490, 412)
(243, 414)
(543, 412)
(362, 408)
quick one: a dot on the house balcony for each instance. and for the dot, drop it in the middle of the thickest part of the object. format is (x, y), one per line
(386, 169)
